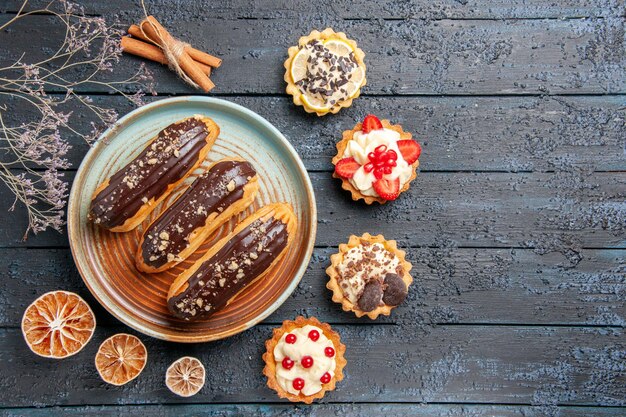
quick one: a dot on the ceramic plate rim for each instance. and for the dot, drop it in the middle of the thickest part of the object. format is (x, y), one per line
(73, 217)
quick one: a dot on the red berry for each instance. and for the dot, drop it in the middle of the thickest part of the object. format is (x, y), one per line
(387, 170)
(325, 379)
(287, 362)
(314, 335)
(329, 351)
(387, 189)
(391, 154)
(370, 123)
(380, 149)
(298, 383)
(372, 157)
(368, 167)
(306, 361)
(379, 172)
(391, 162)
(346, 167)
(290, 338)
(410, 150)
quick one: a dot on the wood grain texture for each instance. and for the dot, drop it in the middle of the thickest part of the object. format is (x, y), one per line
(457, 133)
(517, 365)
(452, 286)
(315, 410)
(418, 56)
(345, 9)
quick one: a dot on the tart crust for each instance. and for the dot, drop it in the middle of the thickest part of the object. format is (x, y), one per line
(333, 272)
(341, 147)
(293, 89)
(270, 364)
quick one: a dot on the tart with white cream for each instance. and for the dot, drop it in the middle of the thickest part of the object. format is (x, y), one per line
(325, 72)
(304, 359)
(369, 276)
(376, 160)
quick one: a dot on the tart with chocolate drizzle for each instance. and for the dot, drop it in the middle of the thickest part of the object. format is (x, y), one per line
(303, 360)
(125, 199)
(225, 189)
(325, 72)
(369, 276)
(246, 255)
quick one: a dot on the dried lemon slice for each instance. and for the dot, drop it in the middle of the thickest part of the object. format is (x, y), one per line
(121, 358)
(58, 324)
(185, 377)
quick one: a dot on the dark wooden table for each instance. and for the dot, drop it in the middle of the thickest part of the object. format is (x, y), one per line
(515, 225)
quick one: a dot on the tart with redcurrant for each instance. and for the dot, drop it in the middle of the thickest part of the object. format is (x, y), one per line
(325, 72)
(369, 276)
(376, 161)
(304, 360)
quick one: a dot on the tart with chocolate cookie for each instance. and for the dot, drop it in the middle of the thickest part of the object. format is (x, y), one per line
(303, 360)
(325, 72)
(369, 276)
(125, 199)
(239, 259)
(376, 161)
(225, 189)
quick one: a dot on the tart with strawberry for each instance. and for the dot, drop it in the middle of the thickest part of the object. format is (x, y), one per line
(369, 276)
(376, 160)
(325, 72)
(304, 359)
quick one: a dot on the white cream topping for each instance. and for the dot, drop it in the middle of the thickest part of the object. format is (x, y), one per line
(357, 269)
(364, 143)
(304, 346)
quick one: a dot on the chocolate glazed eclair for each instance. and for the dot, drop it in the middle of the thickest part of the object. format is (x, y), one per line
(225, 189)
(125, 199)
(236, 261)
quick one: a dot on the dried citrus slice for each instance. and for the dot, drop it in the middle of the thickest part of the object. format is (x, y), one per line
(58, 324)
(121, 358)
(185, 377)
(315, 103)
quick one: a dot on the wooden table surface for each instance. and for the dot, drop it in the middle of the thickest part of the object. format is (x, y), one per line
(515, 225)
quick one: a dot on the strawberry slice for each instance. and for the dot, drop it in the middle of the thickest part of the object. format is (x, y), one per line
(410, 150)
(346, 167)
(370, 123)
(387, 189)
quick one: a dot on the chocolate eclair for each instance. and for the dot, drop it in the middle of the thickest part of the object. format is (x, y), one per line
(236, 261)
(225, 189)
(124, 200)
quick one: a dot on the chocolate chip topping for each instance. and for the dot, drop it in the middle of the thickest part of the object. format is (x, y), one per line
(371, 296)
(395, 290)
(165, 161)
(247, 255)
(212, 192)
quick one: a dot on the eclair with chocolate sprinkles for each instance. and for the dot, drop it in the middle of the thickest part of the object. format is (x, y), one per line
(225, 189)
(235, 262)
(125, 199)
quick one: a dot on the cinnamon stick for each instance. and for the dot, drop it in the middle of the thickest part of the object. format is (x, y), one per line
(159, 35)
(153, 53)
(196, 54)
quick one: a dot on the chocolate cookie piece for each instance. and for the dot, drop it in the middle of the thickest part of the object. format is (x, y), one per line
(371, 295)
(395, 290)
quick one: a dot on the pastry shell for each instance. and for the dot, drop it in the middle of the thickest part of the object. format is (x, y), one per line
(333, 272)
(345, 183)
(293, 89)
(270, 364)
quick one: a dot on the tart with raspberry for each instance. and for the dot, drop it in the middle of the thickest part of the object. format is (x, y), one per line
(304, 360)
(369, 276)
(376, 161)
(325, 72)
